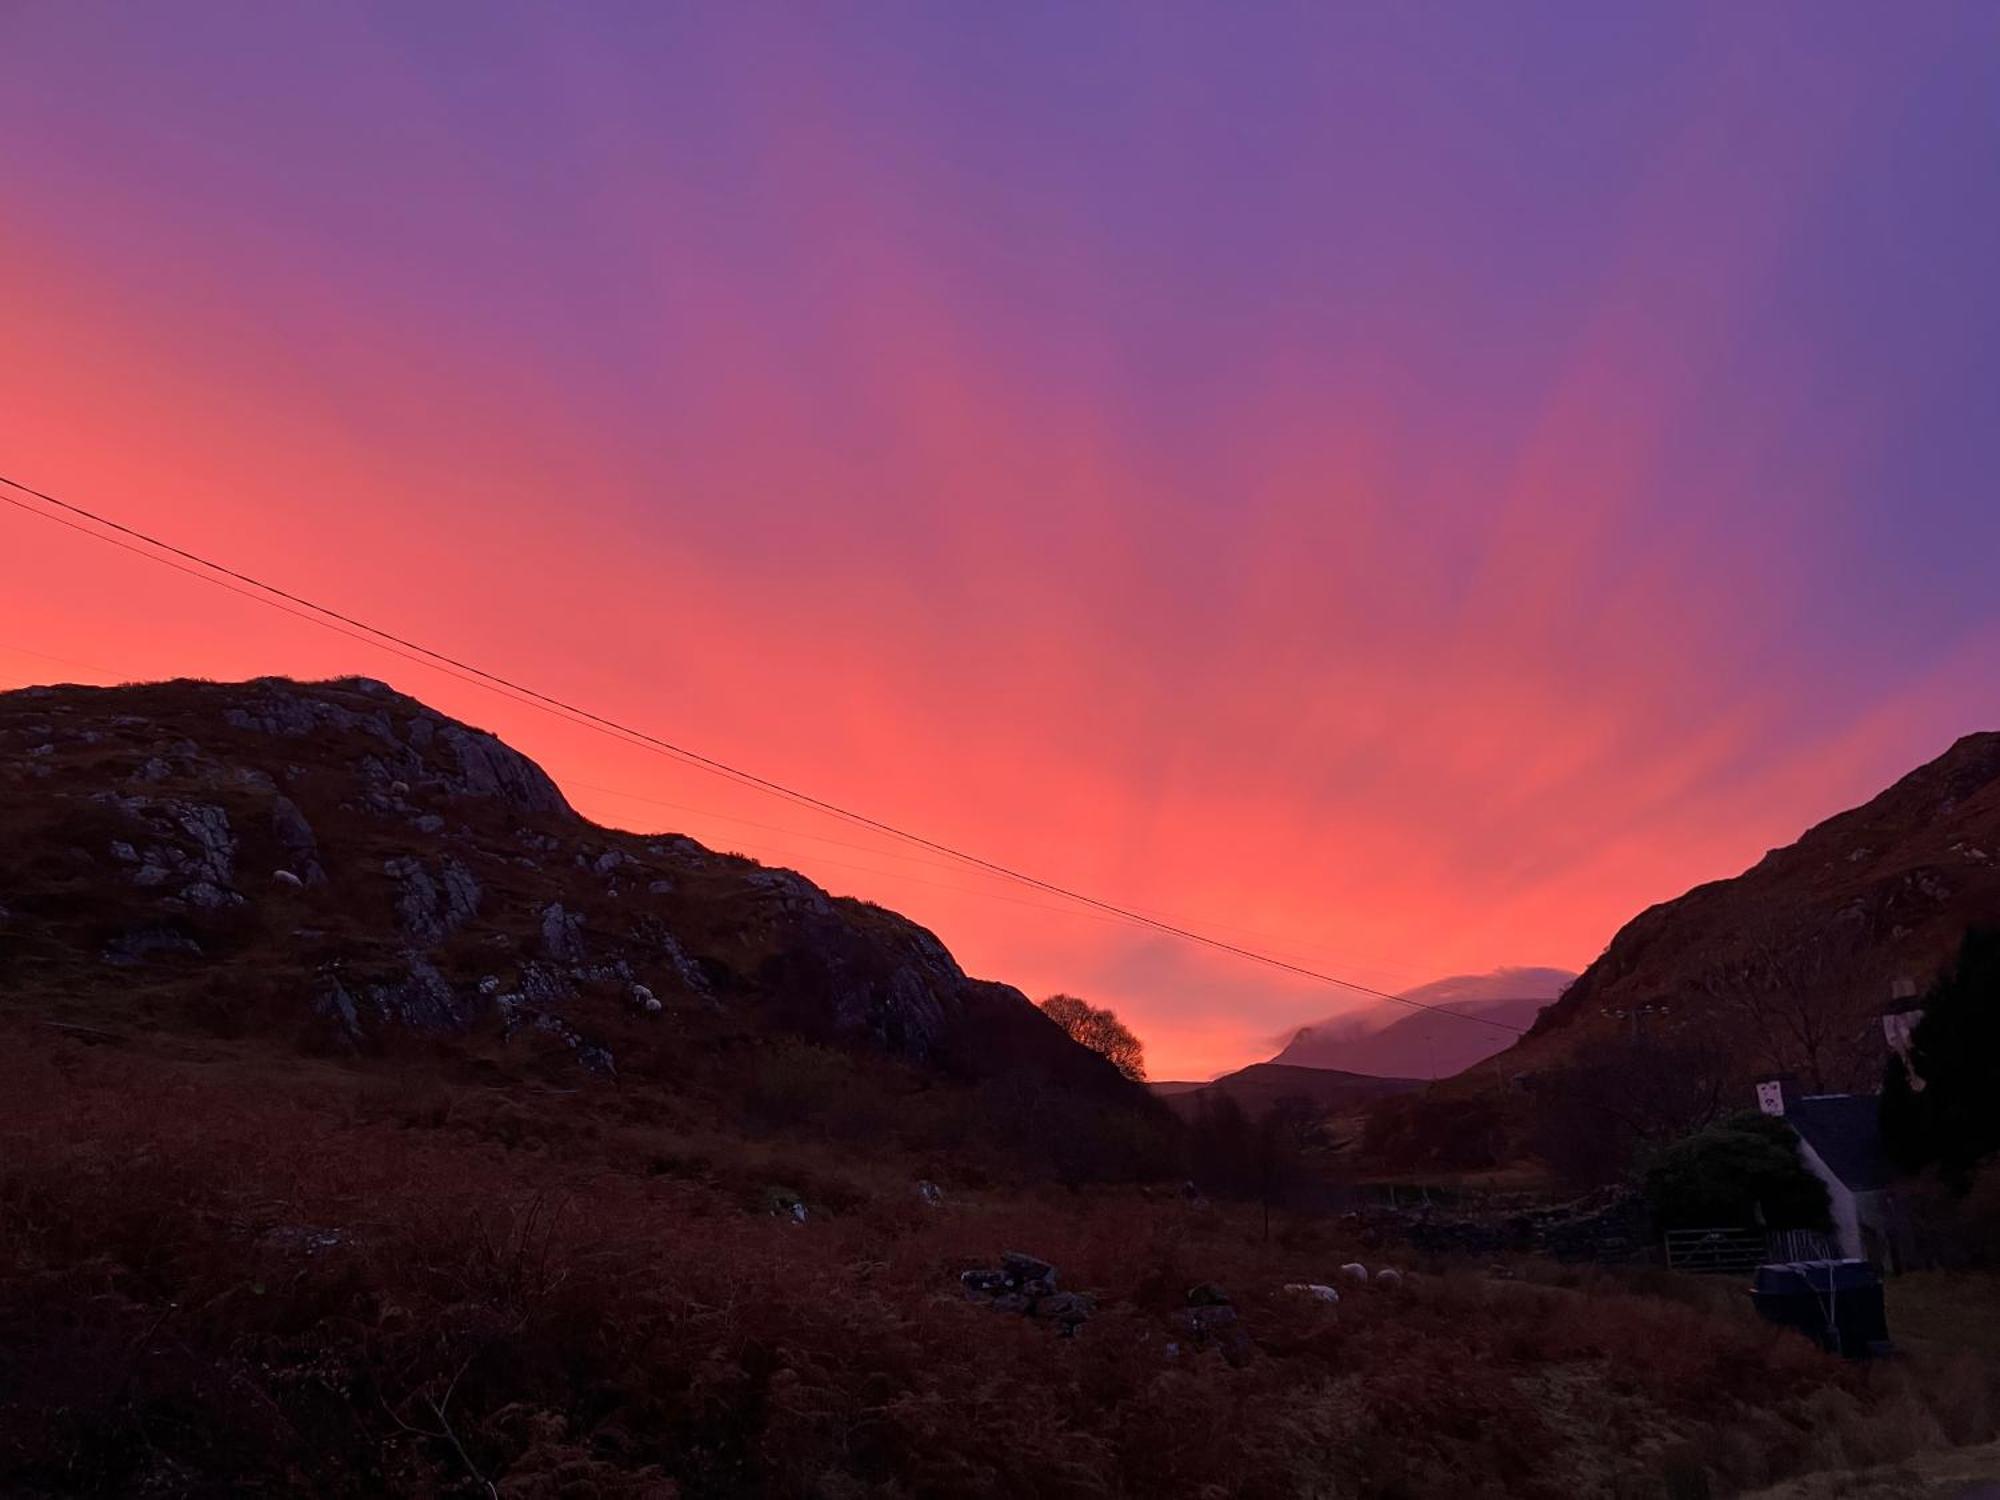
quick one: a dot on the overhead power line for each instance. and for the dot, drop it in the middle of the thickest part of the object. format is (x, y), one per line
(324, 615)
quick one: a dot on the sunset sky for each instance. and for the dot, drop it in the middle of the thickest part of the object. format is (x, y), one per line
(1402, 487)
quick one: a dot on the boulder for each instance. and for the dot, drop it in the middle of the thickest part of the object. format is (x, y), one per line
(1021, 1269)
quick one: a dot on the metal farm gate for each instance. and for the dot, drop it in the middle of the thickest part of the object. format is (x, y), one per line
(1734, 1251)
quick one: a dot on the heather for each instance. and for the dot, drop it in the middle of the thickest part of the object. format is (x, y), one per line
(219, 1269)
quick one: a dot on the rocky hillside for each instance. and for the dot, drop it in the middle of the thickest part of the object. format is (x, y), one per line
(338, 866)
(1785, 968)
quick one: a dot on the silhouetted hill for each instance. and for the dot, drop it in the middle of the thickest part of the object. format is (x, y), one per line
(1785, 968)
(337, 866)
(1261, 1085)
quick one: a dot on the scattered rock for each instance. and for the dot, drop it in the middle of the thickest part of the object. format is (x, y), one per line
(1316, 1290)
(286, 880)
(142, 943)
(205, 896)
(123, 852)
(1354, 1271)
(431, 909)
(931, 1193)
(1024, 1268)
(785, 1203)
(1207, 1294)
(646, 1000)
(562, 934)
(1215, 1324)
(1026, 1286)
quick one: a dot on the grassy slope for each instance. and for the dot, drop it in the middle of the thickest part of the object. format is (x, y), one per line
(217, 1262)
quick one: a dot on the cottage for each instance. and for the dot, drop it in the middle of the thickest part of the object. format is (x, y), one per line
(1840, 1143)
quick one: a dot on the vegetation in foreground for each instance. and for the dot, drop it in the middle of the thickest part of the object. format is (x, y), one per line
(223, 1270)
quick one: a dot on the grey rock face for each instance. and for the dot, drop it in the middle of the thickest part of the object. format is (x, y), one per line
(152, 941)
(330, 998)
(422, 1000)
(535, 1004)
(285, 708)
(295, 836)
(194, 848)
(204, 896)
(478, 764)
(429, 907)
(562, 934)
(207, 827)
(652, 934)
(793, 893)
(487, 768)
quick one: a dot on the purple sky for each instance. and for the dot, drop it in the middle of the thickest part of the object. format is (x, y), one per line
(1412, 483)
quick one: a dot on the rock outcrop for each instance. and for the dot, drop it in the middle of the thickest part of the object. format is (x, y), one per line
(396, 872)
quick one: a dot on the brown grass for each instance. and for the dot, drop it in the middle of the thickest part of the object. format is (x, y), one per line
(219, 1269)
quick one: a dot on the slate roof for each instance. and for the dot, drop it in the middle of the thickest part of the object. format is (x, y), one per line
(1846, 1133)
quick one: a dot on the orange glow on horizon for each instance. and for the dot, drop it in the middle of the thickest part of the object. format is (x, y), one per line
(1311, 650)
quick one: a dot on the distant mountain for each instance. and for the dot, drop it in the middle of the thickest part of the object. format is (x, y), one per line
(1785, 968)
(1390, 1040)
(1261, 1085)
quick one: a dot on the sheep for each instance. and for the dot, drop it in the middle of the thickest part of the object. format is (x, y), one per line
(1354, 1271)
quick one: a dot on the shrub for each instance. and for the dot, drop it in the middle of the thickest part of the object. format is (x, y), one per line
(1744, 1170)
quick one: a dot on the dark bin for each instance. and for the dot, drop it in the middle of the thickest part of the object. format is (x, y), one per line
(1835, 1303)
